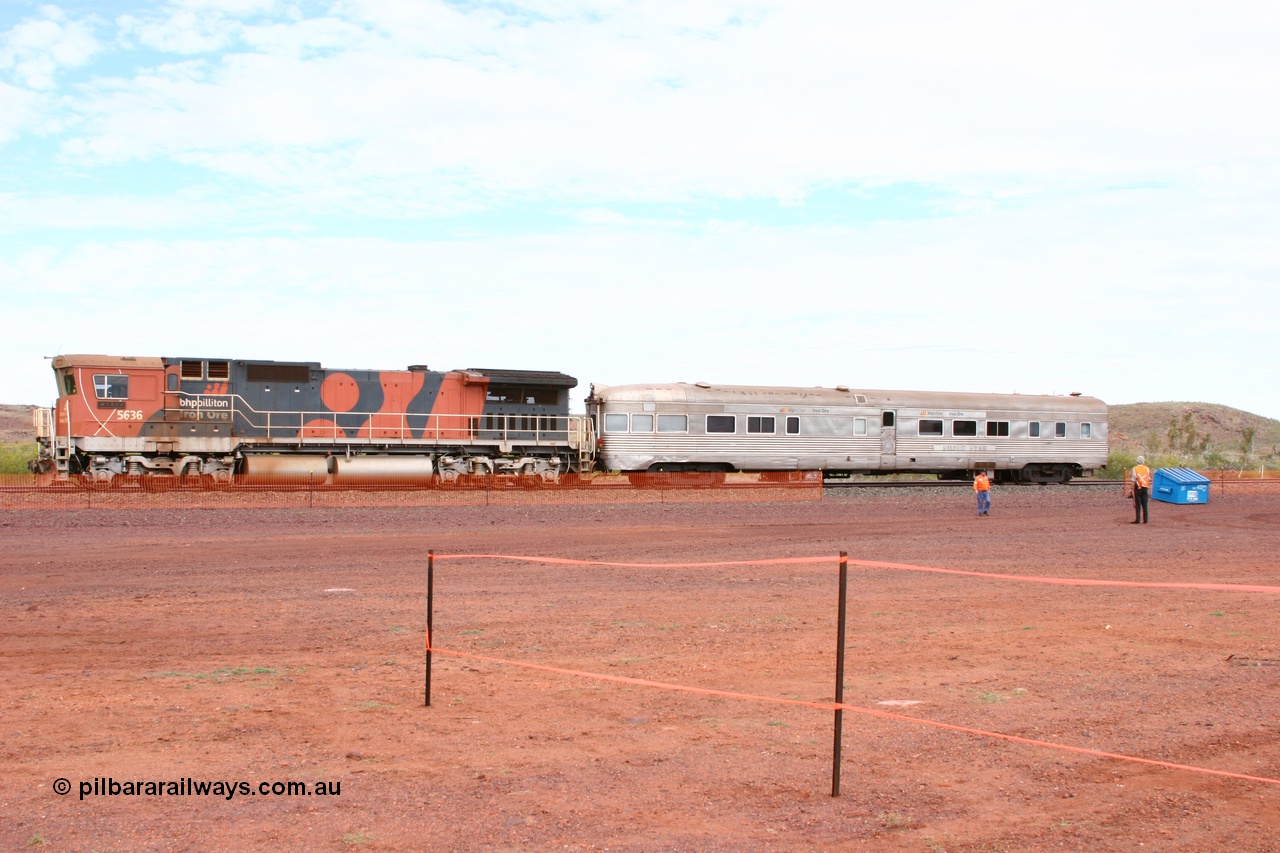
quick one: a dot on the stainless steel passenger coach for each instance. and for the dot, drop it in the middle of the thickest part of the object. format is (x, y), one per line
(716, 429)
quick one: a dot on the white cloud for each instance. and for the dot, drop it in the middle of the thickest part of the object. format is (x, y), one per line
(1128, 301)
(190, 27)
(672, 100)
(34, 50)
(19, 109)
(1088, 169)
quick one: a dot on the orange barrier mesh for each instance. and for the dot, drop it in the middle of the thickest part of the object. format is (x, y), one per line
(1243, 482)
(1224, 482)
(27, 491)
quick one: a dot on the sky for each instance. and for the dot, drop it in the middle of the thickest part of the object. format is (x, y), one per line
(1038, 198)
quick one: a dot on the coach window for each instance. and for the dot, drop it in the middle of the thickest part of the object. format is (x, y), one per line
(722, 423)
(615, 423)
(859, 426)
(111, 386)
(760, 425)
(1086, 430)
(997, 427)
(793, 426)
(1035, 429)
(673, 423)
(1060, 430)
(964, 428)
(642, 423)
(930, 427)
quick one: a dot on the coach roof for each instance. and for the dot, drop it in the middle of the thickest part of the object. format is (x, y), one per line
(703, 392)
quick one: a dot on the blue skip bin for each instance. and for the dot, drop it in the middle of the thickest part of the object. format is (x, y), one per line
(1180, 486)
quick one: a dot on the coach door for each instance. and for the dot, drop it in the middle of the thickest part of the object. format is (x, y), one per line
(888, 440)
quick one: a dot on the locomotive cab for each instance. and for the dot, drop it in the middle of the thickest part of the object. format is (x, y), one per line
(103, 422)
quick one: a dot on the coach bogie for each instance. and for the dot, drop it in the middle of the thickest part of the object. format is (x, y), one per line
(1042, 474)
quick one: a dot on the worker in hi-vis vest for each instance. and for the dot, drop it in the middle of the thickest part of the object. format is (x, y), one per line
(1141, 491)
(982, 485)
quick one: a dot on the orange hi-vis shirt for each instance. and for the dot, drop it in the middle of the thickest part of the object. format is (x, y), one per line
(981, 483)
(1141, 476)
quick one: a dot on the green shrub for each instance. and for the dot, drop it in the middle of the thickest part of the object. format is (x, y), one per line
(14, 457)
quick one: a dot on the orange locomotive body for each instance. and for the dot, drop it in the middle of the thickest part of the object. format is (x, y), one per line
(161, 419)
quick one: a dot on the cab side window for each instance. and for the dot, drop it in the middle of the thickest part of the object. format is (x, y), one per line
(111, 386)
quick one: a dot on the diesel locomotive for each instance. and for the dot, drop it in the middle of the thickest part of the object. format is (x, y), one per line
(161, 421)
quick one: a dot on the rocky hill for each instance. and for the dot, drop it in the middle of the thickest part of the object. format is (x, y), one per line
(1194, 430)
(15, 425)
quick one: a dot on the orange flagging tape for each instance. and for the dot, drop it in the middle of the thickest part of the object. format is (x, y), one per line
(871, 712)
(562, 561)
(876, 564)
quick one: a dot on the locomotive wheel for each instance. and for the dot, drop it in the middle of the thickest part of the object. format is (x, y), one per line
(96, 484)
(158, 482)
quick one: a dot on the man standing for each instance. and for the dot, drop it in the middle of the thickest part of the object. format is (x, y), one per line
(1141, 491)
(982, 485)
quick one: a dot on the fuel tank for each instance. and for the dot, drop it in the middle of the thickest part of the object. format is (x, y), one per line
(284, 469)
(381, 470)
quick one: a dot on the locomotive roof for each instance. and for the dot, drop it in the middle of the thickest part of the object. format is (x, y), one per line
(550, 378)
(527, 377)
(81, 360)
(703, 392)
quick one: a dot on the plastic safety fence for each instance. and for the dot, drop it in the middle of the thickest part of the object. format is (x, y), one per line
(25, 491)
(1230, 482)
(839, 705)
(1243, 482)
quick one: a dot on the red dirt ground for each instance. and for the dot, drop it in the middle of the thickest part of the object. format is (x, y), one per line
(286, 645)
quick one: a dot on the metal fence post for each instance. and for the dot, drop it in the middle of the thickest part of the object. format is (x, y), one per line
(431, 566)
(840, 630)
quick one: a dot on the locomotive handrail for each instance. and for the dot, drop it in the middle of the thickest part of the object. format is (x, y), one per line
(42, 420)
(398, 426)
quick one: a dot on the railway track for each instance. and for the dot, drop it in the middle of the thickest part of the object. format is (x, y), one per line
(951, 484)
(65, 488)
